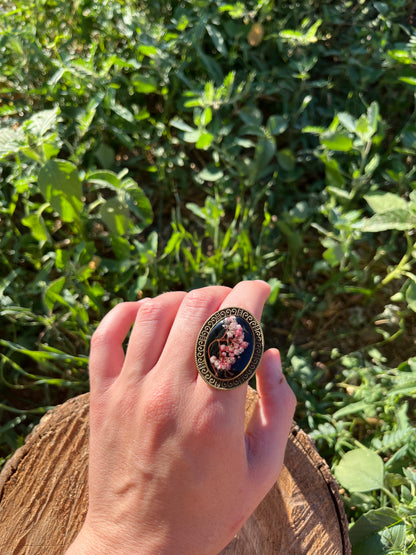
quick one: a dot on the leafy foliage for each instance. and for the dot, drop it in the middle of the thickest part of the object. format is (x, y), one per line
(154, 146)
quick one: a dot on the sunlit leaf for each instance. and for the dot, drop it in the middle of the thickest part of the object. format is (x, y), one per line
(385, 202)
(115, 215)
(211, 173)
(37, 226)
(360, 470)
(204, 141)
(397, 218)
(11, 141)
(336, 141)
(41, 122)
(60, 185)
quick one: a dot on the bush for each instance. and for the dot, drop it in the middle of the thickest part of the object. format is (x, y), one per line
(153, 147)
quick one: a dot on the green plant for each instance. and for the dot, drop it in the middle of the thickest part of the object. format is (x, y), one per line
(384, 529)
(148, 147)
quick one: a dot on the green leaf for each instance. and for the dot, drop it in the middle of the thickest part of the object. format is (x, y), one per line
(363, 128)
(347, 121)
(251, 115)
(264, 152)
(313, 129)
(336, 141)
(277, 125)
(206, 116)
(36, 224)
(217, 39)
(334, 255)
(371, 523)
(385, 202)
(181, 125)
(394, 537)
(147, 50)
(399, 219)
(42, 122)
(408, 80)
(334, 177)
(235, 11)
(105, 178)
(115, 215)
(351, 408)
(11, 141)
(303, 38)
(105, 155)
(86, 115)
(410, 474)
(360, 470)
(411, 295)
(192, 136)
(286, 159)
(204, 141)
(372, 165)
(144, 85)
(60, 185)
(52, 292)
(211, 173)
(121, 246)
(137, 201)
(373, 115)
(122, 112)
(401, 56)
(197, 210)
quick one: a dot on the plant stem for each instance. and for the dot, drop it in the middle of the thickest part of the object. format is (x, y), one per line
(398, 270)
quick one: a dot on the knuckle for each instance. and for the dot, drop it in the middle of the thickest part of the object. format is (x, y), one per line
(210, 423)
(203, 300)
(196, 300)
(160, 407)
(100, 337)
(151, 310)
(105, 331)
(155, 309)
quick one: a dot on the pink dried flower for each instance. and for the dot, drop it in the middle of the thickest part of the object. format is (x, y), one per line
(231, 345)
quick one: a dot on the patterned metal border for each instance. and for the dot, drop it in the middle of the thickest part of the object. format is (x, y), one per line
(201, 342)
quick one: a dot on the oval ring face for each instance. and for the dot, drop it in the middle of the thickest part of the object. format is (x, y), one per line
(229, 348)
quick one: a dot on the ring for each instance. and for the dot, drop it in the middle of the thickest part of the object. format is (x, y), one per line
(229, 348)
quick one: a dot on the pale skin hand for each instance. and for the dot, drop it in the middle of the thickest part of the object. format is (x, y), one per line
(172, 469)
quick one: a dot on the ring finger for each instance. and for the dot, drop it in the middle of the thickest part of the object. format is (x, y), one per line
(149, 334)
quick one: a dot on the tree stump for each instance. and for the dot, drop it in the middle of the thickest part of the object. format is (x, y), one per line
(44, 496)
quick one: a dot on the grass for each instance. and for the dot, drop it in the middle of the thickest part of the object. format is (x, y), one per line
(171, 146)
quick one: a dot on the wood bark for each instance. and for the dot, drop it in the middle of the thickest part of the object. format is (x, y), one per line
(44, 495)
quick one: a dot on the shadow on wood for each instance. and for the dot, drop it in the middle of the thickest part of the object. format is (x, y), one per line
(44, 496)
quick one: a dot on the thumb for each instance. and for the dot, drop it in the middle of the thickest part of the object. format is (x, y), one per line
(268, 430)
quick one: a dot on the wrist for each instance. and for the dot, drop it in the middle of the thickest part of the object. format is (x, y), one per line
(114, 541)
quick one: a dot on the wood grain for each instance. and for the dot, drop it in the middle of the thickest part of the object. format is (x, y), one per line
(44, 496)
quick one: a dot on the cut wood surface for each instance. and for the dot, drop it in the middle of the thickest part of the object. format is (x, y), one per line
(44, 496)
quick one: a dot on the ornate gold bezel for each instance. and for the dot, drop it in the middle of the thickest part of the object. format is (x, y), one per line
(203, 365)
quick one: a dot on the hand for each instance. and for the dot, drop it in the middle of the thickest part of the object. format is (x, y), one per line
(172, 469)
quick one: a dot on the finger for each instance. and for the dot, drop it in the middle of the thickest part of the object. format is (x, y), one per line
(150, 332)
(268, 430)
(250, 295)
(107, 353)
(195, 309)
